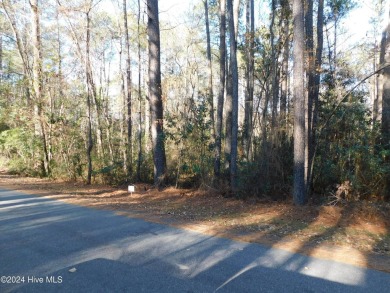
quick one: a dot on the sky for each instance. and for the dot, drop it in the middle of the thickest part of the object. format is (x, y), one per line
(357, 22)
(173, 6)
(173, 9)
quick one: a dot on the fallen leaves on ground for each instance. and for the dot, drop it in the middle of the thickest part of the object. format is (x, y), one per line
(357, 233)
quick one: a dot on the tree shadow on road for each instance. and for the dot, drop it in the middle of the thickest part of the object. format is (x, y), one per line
(292, 228)
(113, 253)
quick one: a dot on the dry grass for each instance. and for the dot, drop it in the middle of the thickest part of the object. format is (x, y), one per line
(357, 233)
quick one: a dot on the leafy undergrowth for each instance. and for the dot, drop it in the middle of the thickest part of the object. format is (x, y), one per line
(356, 233)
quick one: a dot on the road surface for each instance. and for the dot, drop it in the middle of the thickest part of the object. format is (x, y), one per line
(50, 246)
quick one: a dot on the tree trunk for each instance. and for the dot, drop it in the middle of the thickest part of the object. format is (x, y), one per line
(229, 86)
(335, 25)
(274, 68)
(89, 85)
(104, 94)
(155, 98)
(316, 89)
(228, 116)
(1, 57)
(299, 191)
(234, 83)
(210, 93)
(249, 76)
(310, 91)
(376, 92)
(236, 15)
(59, 56)
(221, 93)
(38, 85)
(98, 108)
(89, 140)
(140, 132)
(286, 12)
(128, 92)
(385, 126)
(9, 11)
(123, 122)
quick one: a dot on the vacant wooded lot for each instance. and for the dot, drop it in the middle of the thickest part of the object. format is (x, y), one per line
(278, 99)
(262, 121)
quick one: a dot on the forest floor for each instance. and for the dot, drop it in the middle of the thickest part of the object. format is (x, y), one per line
(355, 233)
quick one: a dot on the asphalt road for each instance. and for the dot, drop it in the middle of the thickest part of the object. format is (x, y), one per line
(50, 246)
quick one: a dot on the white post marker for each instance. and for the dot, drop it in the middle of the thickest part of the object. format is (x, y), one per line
(131, 189)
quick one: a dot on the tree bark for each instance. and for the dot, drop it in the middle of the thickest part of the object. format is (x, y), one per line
(38, 85)
(376, 92)
(299, 191)
(140, 132)
(90, 94)
(128, 92)
(1, 57)
(385, 60)
(123, 122)
(286, 12)
(236, 15)
(228, 115)
(210, 92)
(229, 86)
(27, 74)
(316, 89)
(249, 76)
(9, 11)
(221, 93)
(274, 69)
(155, 98)
(310, 73)
(385, 123)
(234, 83)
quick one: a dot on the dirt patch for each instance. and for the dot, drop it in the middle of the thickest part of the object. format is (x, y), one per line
(357, 233)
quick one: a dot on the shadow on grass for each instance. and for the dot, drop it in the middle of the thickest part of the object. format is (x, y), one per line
(306, 230)
(292, 230)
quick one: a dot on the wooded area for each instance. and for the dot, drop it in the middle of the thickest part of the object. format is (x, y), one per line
(252, 98)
